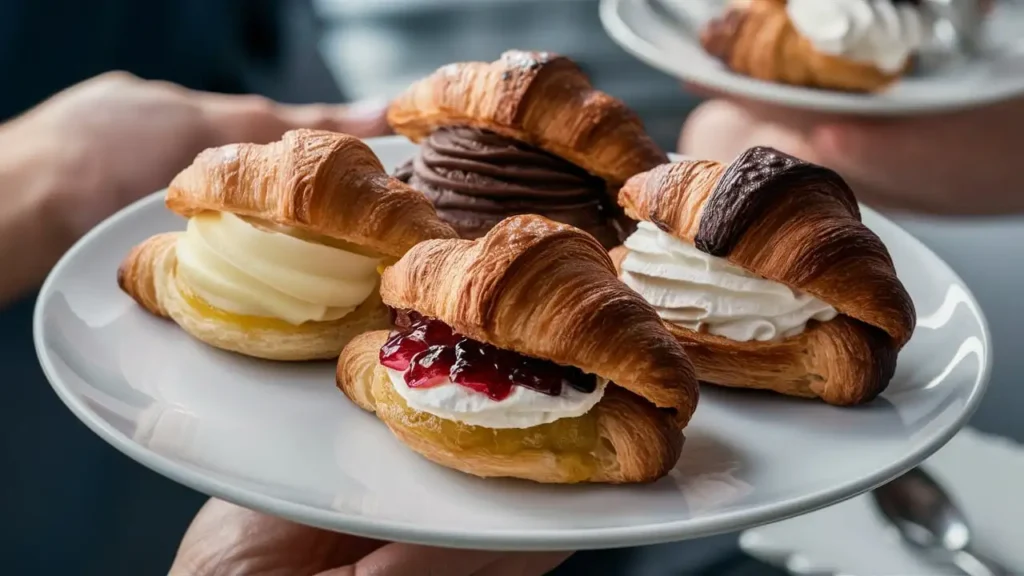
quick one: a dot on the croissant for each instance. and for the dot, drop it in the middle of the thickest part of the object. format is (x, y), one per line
(785, 235)
(526, 133)
(283, 245)
(757, 38)
(497, 322)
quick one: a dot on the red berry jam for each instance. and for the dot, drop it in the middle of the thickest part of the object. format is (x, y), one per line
(428, 351)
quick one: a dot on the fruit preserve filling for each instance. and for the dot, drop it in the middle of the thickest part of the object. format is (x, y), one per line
(451, 376)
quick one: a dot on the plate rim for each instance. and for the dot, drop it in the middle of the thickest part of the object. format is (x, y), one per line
(547, 539)
(794, 97)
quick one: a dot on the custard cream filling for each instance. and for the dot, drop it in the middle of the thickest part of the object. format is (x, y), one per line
(523, 408)
(701, 292)
(247, 269)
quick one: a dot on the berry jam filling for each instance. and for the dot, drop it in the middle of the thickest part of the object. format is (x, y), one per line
(428, 352)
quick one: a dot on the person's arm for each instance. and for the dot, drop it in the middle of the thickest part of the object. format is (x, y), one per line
(80, 156)
(32, 234)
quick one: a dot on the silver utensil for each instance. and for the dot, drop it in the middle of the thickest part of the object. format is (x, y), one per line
(929, 520)
(958, 24)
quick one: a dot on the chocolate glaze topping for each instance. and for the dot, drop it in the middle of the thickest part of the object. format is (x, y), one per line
(752, 182)
(477, 178)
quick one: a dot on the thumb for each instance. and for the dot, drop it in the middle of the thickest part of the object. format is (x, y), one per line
(250, 118)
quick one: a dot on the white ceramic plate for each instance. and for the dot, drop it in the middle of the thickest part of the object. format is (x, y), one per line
(281, 438)
(983, 475)
(675, 49)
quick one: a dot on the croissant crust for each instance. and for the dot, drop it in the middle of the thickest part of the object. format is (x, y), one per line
(323, 182)
(756, 38)
(782, 219)
(148, 275)
(535, 97)
(546, 290)
(635, 442)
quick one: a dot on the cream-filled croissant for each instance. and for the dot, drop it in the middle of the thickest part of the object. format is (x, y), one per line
(520, 354)
(764, 271)
(848, 45)
(526, 134)
(281, 253)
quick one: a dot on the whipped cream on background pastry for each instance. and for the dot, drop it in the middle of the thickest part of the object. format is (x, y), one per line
(523, 408)
(252, 270)
(701, 292)
(884, 33)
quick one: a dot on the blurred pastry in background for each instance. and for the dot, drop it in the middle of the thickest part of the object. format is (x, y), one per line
(847, 45)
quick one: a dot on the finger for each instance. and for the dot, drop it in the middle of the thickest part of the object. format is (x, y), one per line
(362, 119)
(415, 560)
(224, 536)
(256, 119)
(715, 130)
(524, 564)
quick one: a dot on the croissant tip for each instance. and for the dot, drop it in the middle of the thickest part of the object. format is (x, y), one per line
(122, 277)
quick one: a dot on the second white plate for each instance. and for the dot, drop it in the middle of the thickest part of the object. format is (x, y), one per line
(675, 49)
(281, 438)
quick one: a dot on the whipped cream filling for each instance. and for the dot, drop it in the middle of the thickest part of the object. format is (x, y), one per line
(245, 268)
(705, 293)
(523, 408)
(878, 32)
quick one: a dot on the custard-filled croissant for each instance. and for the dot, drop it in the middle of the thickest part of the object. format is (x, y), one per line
(281, 254)
(854, 45)
(520, 354)
(526, 134)
(764, 271)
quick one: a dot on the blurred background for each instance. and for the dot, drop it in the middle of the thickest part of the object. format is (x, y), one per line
(130, 520)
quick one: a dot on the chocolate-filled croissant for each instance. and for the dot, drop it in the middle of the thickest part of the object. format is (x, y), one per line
(280, 258)
(520, 354)
(799, 42)
(764, 271)
(524, 134)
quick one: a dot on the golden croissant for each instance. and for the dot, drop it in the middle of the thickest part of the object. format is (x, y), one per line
(757, 38)
(520, 354)
(281, 253)
(527, 133)
(764, 272)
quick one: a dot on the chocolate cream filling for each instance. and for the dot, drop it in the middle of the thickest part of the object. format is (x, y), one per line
(477, 178)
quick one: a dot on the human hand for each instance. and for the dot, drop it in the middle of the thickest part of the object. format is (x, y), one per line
(225, 539)
(953, 163)
(115, 137)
